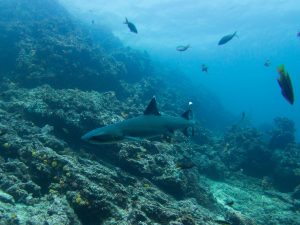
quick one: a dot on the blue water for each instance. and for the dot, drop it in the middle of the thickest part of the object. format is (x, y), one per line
(237, 74)
(64, 75)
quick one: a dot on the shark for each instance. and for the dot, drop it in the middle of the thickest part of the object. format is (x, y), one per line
(151, 124)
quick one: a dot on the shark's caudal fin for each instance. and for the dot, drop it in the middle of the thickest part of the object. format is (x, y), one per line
(152, 108)
(188, 114)
(126, 20)
(235, 34)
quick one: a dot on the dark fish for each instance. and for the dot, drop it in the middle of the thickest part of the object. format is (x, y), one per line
(182, 48)
(243, 115)
(204, 68)
(285, 84)
(229, 203)
(185, 163)
(298, 34)
(267, 63)
(226, 38)
(131, 26)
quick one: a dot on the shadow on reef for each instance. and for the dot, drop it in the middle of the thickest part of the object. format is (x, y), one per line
(244, 149)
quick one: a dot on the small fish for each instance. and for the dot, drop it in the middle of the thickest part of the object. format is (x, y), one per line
(298, 34)
(227, 38)
(131, 26)
(93, 21)
(185, 163)
(182, 48)
(229, 203)
(267, 63)
(285, 84)
(204, 68)
(243, 115)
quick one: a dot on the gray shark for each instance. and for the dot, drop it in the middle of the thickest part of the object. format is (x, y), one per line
(149, 125)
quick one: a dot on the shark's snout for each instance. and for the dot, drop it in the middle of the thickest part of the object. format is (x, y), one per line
(102, 136)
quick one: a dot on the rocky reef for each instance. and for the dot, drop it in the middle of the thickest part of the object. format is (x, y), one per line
(283, 133)
(45, 45)
(44, 164)
(58, 82)
(276, 161)
(126, 182)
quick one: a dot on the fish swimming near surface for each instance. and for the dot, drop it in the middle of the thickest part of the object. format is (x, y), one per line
(182, 48)
(243, 116)
(131, 26)
(227, 38)
(151, 124)
(285, 84)
(267, 63)
(204, 68)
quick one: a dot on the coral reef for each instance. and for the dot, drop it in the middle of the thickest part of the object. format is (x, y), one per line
(37, 165)
(56, 50)
(283, 134)
(241, 146)
(59, 80)
(44, 162)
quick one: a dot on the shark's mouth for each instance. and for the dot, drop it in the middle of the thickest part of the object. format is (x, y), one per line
(105, 138)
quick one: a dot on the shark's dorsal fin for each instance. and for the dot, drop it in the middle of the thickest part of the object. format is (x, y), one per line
(188, 114)
(152, 108)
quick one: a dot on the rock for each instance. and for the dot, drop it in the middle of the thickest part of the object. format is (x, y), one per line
(158, 213)
(296, 193)
(283, 134)
(6, 198)
(236, 218)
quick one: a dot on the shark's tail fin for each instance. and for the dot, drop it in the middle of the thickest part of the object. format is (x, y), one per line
(188, 114)
(126, 20)
(235, 34)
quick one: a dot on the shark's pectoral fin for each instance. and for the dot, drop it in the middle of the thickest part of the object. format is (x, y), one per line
(130, 138)
(185, 132)
(170, 132)
(189, 131)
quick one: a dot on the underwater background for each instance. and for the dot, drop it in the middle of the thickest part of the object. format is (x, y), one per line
(237, 75)
(68, 67)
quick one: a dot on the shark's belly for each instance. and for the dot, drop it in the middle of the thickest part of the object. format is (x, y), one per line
(144, 127)
(151, 126)
(144, 132)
